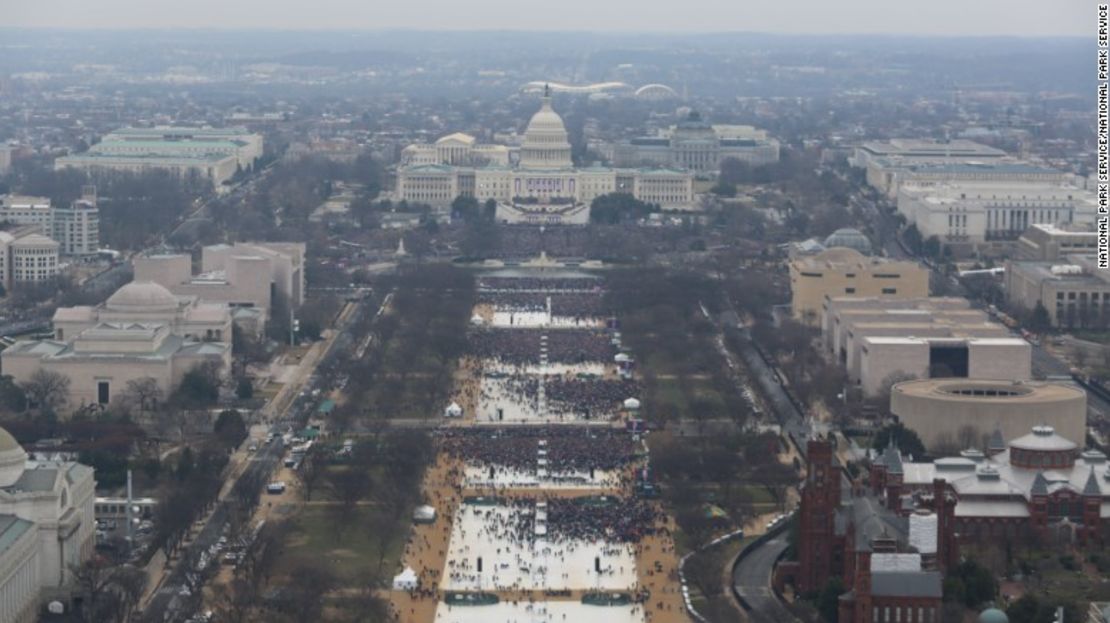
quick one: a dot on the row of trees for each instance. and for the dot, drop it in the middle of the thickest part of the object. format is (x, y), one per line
(384, 470)
(416, 344)
(134, 207)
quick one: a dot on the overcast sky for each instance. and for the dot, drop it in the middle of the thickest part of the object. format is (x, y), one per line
(928, 17)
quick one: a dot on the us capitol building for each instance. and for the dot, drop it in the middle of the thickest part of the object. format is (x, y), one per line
(457, 165)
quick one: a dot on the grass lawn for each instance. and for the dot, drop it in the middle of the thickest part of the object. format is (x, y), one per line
(758, 495)
(1092, 335)
(674, 396)
(348, 548)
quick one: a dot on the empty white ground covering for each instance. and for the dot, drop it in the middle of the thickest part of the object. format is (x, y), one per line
(538, 478)
(540, 612)
(520, 319)
(514, 560)
(499, 403)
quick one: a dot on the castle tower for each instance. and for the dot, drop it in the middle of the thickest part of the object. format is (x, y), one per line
(820, 501)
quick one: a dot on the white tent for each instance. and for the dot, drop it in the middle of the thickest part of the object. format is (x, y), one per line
(424, 514)
(453, 410)
(476, 320)
(622, 358)
(631, 404)
(406, 581)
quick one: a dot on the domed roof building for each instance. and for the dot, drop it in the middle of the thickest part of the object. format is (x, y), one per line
(142, 296)
(850, 238)
(541, 174)
(993, 615)
(12, 459)
(143, 331)
(47, 529)
(148, 302)
(1039, 482)
(545, 145)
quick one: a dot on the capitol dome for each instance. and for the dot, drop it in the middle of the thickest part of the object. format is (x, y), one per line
(12, 459)
(850, 238)
(545, 144)
(546, 120)
(142, 296)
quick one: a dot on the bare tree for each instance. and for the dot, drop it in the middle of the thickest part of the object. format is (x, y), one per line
(47, 390)
(144, 393)
(968, 436)
(312, 582)
(312, 470)
(110, 593)
(235, 601)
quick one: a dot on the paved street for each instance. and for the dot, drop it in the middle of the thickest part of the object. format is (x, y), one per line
(167, 604)
(752, 581)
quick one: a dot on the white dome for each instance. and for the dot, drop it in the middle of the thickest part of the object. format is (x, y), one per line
(545, 144)
(631, 404)
(12, 459)
(142, 296)
(545, 120)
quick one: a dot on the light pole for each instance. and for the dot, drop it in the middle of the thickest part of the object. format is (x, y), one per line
(294, 326)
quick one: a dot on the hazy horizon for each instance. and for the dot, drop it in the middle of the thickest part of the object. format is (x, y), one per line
(982, 18)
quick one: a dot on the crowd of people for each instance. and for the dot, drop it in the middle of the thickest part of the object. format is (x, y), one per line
(523, 346)
(516, 347)
(568, 448)
(579, 346)
(545, 284)
(567, 304)
(589, 397)
(611, 519)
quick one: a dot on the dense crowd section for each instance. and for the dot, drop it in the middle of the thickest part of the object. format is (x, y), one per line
(567, 447)
(522, 346)
(570, 304)
(589, 397)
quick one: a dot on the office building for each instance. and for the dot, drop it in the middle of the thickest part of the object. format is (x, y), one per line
(1048, 243)
(213, 155)
(27, 257)
(969, 215)
(75, 228)
(842, 271)
(878, 339)
(889, 174)
(249, 277)
(246, 146)
(913, 150)
(1073, 290)
(693, 144)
